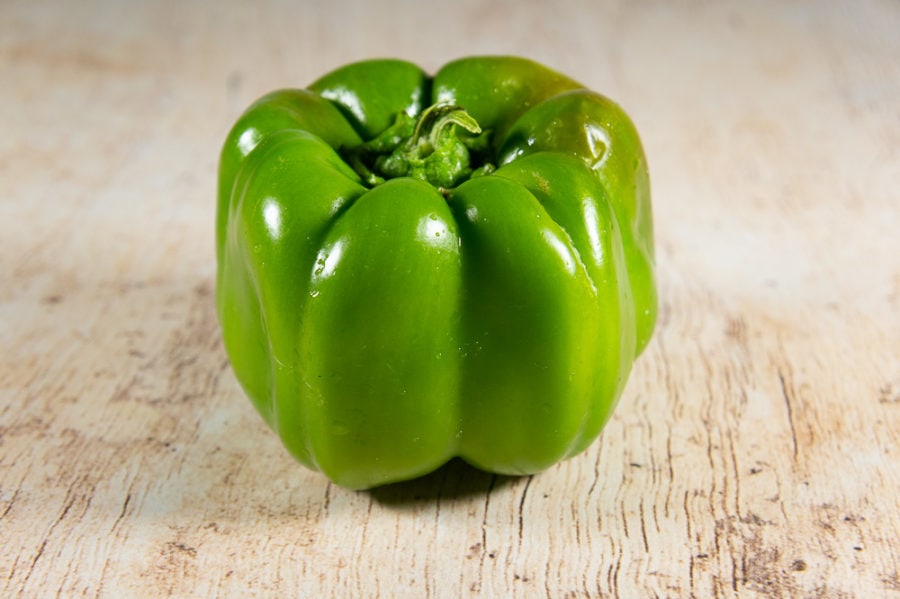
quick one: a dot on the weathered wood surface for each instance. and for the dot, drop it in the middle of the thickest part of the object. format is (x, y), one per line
(754, 453)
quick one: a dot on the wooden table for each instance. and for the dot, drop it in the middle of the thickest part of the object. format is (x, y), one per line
(755, 450)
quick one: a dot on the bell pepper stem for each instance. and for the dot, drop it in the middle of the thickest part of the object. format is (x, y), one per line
(434, 124)
(429, 148)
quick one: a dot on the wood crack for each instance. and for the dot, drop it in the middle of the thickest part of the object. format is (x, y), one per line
(787, 395)
(522, 507)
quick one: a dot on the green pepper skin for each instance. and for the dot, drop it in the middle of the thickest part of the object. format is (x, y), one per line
(384, 328)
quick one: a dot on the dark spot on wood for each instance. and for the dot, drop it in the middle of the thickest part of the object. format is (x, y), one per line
(181, 547)
(889, 394)
(736, 330)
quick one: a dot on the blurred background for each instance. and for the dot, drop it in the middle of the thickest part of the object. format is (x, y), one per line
(745, 110)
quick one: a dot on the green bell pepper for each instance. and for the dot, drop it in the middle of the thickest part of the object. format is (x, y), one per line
(416, 268)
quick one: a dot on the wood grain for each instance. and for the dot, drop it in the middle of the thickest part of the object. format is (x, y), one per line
(754, 453)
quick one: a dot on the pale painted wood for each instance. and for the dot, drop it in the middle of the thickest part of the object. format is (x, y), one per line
(754, 453)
